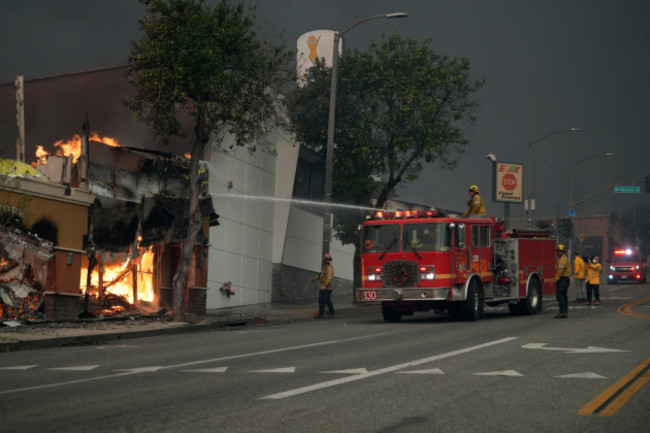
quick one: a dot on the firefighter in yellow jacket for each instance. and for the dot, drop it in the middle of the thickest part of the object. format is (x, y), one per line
(475, 205)
(594, 269)
(325, 287)
(562, 274)
(579, 270)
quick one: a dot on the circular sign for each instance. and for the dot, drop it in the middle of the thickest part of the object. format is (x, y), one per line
(509, 181)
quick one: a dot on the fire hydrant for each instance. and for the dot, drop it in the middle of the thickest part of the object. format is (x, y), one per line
(227, 289)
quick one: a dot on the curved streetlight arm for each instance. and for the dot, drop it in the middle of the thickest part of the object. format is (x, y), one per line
(529, 169)
(553, 133)
(573, 164)
(571, 175)
(329, 156)
(374, 17)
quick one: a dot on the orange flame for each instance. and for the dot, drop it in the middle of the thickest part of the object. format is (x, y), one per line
(71, 147)
(118, 278)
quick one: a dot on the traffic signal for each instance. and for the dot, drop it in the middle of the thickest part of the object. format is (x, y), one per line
(565, 226)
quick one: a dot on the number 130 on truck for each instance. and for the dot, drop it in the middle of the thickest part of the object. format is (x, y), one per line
(417, 261)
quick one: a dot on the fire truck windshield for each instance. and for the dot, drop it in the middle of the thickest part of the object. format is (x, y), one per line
(417, 236)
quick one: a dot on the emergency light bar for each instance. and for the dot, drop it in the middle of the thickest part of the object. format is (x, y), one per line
(623, 252)
(399, 214)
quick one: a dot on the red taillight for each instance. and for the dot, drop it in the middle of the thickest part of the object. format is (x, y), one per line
(377, 270)
(423, 268)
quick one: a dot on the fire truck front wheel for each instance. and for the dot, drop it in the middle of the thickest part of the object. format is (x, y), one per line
(472, 308)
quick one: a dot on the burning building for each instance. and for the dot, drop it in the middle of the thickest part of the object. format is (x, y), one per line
(267, 245)
(121, 248)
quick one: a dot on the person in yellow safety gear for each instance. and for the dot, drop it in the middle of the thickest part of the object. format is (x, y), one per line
(579, 277)
(475, 205)
(562, 274)
(325, 287)
(593, 280)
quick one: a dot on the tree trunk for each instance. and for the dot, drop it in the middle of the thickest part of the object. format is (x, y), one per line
(187, 245)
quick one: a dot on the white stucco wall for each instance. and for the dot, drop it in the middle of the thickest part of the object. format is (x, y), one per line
(259, 226)
(241, 246)
(303, 245)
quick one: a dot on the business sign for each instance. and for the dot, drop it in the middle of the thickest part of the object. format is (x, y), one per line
(317, 44)
(627, 189)
(508, 181)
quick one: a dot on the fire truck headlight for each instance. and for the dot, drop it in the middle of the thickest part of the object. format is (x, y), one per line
(612, 268)
(637, 267)
(427, 273)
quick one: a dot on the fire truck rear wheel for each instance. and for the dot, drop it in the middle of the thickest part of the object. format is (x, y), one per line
(533, 301)
(389, 313)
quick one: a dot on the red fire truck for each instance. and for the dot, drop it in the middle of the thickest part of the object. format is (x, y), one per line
(425, 260)
(626, 265)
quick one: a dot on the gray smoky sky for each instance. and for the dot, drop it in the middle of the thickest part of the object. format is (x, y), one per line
(548, 65)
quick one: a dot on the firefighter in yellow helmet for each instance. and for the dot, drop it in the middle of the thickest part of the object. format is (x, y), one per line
(475, 205)
(562, 274)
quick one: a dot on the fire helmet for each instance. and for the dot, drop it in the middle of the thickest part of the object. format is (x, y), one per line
(327, 258)
(473, 188)
(560, 247)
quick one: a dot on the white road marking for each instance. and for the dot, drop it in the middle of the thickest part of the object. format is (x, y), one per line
(141, 369)
(79, 368)
(19, 367)
(427, 371)
(589, 349)
(282, 349)
(390, 369)
(276, 370)
(350, 371)
(150, 369)
(511, 373)
(587, 375)
(207, 370)
(118, 346)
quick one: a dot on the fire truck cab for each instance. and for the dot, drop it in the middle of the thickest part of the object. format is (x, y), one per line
(626, 265)
(416, 261)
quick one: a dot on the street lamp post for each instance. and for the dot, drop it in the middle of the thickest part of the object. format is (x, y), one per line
(531, 195)
(571, 178)
(329, 158)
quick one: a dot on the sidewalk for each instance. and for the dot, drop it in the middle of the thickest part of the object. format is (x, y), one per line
(100, 330)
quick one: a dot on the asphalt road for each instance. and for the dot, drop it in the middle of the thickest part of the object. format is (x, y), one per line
(428, 373)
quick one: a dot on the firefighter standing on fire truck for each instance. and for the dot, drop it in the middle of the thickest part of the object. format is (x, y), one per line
(475, 205)
(562, 274)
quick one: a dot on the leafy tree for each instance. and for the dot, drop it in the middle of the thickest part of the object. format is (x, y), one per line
(202, 73)
(399, 106)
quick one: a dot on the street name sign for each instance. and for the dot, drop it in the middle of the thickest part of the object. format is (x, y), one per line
(627, 189)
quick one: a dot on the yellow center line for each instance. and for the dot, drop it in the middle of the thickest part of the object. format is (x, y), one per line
(625, 309)
(614, 397)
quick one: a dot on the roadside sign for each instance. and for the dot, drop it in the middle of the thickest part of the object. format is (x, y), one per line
(571, 213)
(627, 189)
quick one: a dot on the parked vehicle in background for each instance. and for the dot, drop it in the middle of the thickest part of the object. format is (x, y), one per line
(626, 264)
